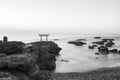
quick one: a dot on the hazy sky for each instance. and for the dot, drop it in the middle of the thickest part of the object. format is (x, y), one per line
(60, 16)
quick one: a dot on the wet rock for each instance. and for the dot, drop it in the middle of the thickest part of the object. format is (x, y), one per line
(106, 40)
(97, 37)
(113, 51)
(104, 50)
(77, 43)
(99, 42)
(79, 40)
(97, 53)
(64, 60)
(94, 45)
(118, 51)
(91, 47)
(109, 44)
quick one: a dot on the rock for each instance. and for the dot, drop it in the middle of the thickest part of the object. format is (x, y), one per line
(97, 53)
(25, 63)
(45, 60)
(49, 46)
(104, 50)
(79, 40)
(99, 42)
(106, 40)
(11, 47)
(97, 37)
(91, 47)
(113, 51)
(118, 51)
(6, 75)
(77, 43)
(109, 44)
(64, 60)
(94, 45)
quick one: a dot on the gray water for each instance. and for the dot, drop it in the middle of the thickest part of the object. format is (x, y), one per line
(79, 58)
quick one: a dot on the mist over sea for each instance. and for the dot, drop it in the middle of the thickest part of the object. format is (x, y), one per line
(79, 58)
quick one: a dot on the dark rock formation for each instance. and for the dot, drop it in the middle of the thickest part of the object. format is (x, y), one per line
(80, 40)
(109, 44)
(104, 50)
(91, 47)
(118, 51)
(77, 43)
(113, 51)
(94, 45)
(99, 42)
(25, 64)
(31, 64)
(48, 46)
(11, 47)
(106, 40)
(97, 37)
(97, 53)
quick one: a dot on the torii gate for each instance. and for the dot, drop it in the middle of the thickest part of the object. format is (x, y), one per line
(43, 35)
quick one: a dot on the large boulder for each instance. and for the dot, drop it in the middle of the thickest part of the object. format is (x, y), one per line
(103, 50)
(11, 47)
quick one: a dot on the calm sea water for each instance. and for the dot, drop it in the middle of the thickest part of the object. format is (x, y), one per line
(79, 58)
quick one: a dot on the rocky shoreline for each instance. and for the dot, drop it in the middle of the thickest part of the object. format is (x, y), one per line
(100, 74)
(31, 61)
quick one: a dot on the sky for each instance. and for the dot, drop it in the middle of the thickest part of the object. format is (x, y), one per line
(60, 16)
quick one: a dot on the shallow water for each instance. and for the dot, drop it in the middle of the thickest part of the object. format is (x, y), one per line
(77, 58)
(81, 59)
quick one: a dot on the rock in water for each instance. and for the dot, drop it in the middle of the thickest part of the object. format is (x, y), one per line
(104, 50)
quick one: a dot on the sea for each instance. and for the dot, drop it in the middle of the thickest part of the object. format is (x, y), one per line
(75, 58)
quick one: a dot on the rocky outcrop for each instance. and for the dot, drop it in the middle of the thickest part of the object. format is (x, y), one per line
(77, 43)
(24, 64)
(48, 46)
(13, 47)
(30, 62)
